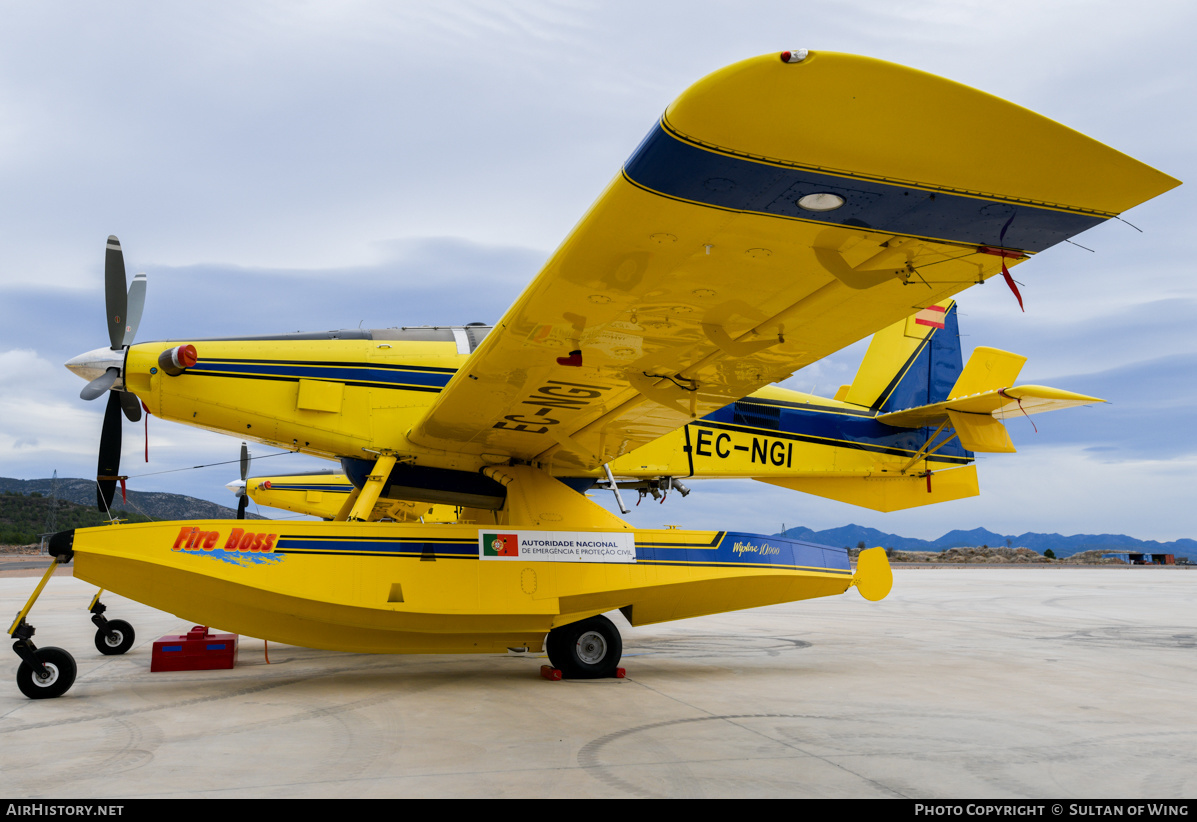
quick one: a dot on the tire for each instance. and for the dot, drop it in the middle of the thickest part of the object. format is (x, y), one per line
(62, 674)
(589, 649)
(116, 638)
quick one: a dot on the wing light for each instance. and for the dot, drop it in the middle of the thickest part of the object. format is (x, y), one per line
(823, 201)
(794, 56)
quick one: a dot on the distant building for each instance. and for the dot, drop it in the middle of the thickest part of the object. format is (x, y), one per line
(1139, 558)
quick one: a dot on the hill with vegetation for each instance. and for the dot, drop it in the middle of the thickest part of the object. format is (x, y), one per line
(26, 510)
(23, 519)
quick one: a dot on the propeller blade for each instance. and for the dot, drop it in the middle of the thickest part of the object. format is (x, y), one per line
(130, 405)
(244, 461)
(242, 504)
(109, 466)
(100, 384)
(135, 305)
(116, 294)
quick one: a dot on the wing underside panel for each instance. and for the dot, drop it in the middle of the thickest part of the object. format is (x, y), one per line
(705, 271)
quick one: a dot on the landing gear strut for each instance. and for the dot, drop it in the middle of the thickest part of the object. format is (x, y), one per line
(46, 672)
(589, 649)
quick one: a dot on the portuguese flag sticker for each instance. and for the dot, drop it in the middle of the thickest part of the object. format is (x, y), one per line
(558, 546)
(500, 545)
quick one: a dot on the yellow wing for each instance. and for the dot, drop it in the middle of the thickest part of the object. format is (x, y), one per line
(776, 213)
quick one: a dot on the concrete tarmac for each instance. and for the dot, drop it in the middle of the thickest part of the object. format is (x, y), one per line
(964, 683)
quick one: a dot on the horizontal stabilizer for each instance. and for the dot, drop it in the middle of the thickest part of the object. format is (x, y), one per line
(982, 397)
(999, 403)
(889, 492)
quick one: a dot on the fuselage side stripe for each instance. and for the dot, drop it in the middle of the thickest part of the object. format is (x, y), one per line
(358, 373)
(916, 437)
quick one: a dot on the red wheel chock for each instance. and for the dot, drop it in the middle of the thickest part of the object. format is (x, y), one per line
(197, 650)
(554, 674)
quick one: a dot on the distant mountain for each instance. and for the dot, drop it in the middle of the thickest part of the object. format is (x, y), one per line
(155, 505)
(851, 535)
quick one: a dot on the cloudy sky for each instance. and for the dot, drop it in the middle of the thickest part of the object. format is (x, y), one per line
(284, 166)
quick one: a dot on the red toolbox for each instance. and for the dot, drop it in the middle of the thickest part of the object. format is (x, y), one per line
(197, 650)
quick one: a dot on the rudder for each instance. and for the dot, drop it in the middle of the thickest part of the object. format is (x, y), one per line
(910, 363)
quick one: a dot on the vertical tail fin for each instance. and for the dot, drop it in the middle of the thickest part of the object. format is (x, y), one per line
(913, 362)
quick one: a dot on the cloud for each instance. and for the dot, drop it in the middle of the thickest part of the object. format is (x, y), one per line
(443, 280)
(1149, 416)
(42, 427)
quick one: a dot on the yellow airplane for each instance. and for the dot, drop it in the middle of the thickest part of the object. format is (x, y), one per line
(782, 208)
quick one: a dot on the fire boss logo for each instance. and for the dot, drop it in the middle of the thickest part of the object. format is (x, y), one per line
(193, 539)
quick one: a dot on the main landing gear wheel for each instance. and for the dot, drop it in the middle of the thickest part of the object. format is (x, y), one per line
(589, 649)
(60, 674)
(115, 637)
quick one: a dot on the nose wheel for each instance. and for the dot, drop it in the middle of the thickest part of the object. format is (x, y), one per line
(589, 649)
(116, 638)
(49, 674)
(113, 636)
